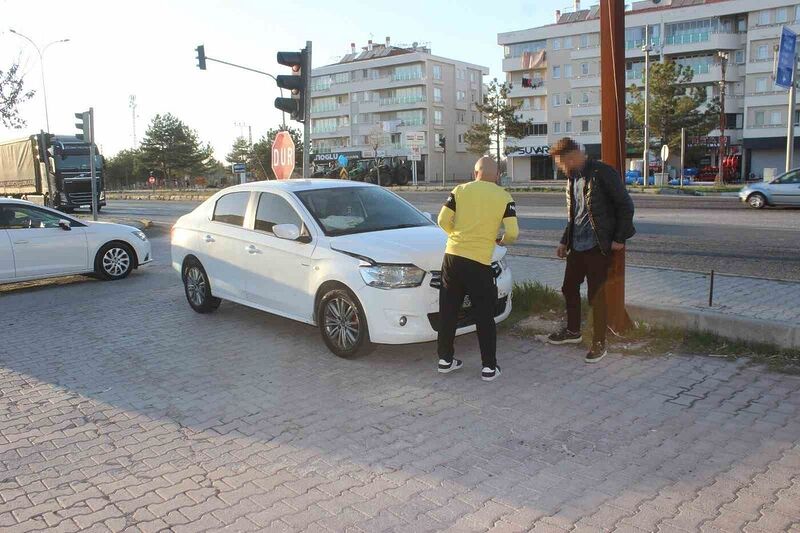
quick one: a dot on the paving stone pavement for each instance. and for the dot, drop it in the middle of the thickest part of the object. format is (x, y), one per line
(733, 295)
(123, 410)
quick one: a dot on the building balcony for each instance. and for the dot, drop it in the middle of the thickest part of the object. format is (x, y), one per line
(527, 142)
(518, 91)
(772, 31)
(760, 66)
(512, 64)
(588, 80)
(585, 110)
(537, 116)
(771, 98)
(633, 48)
(766, 130)
(695, 42)
(587, 137)
(713, 73)
(587, 52)
(330, 111)
(327, 133)
(403, 101)
(734, 136)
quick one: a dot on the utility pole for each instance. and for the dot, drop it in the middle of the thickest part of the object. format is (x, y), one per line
(647, 48)
(723, 59)
(683, 153)
(612, 82)
(790, 121)
(132, 105)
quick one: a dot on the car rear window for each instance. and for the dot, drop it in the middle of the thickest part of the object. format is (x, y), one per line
(230, 209)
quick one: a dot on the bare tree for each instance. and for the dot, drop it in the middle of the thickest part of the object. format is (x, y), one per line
(11, 95)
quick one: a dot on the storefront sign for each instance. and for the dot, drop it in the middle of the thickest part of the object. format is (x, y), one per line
(531, 151)
(334, 156)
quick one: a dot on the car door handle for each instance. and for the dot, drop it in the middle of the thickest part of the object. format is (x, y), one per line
(20, 242)
(252, 250)
(208, 238)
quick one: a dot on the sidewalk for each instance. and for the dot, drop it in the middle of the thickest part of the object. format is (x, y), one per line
(746, 308)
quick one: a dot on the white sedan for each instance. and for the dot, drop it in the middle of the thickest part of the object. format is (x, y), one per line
(37, 242)
(356, 260)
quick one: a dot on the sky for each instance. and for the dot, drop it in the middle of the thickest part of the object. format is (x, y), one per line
(147, 49)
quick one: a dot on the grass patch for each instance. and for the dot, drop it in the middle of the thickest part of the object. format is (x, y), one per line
(538, 310)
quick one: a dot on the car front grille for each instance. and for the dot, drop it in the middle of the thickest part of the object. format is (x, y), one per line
(80, 198)
(436, 275)
(465, 317)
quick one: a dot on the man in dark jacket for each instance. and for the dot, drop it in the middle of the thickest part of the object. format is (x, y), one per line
(600, 220)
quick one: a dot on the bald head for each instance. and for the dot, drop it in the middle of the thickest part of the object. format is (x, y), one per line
(486, 169)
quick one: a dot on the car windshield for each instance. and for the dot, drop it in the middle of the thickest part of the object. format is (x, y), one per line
(348, 210)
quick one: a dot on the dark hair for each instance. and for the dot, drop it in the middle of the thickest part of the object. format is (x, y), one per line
(564, 146)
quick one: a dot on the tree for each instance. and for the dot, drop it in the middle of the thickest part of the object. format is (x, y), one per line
(126, 168)
(240, 152)
(479, 139)
(501, 120)
(376, 138)
(12, 94)
(173, 148)
(261, 155)
(673, 105)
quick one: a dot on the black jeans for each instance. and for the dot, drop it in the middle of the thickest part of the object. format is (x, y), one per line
(460, 277)
(592, 265)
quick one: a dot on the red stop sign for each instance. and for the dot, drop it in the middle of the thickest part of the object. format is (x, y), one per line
(283, 155)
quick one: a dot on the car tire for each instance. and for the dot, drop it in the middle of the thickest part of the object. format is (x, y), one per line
(343, 324)
(197, 288)
(115, 260)
(403, 177)
(756, 200)
(385, 178)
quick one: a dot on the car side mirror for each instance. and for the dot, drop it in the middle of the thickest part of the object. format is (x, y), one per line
(65, 225)
(288, 232)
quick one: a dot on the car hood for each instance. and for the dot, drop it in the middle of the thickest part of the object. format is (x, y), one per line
(109, 227)
(423, 246)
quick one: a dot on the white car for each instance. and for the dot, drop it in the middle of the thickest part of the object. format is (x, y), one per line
(37, 242)
(354, 259)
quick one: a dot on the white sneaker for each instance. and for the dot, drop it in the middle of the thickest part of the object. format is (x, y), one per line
(490, 374)
(446, 367)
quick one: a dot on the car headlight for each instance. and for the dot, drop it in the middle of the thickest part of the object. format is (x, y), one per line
(141, 235)
(392, 276)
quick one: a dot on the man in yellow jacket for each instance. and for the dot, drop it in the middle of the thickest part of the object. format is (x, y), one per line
(472, 217)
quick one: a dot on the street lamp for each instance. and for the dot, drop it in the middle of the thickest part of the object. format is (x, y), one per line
(41, 52)
(647, 48)
(723, 58)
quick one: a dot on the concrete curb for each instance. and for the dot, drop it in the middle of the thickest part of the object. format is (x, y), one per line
(781, 334)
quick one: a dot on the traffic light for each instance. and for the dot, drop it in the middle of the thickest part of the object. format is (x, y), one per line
(201, 57)
(84, 126)
(442, 142)
(297, 83)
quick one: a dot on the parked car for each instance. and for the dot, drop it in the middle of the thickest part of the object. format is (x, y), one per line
(782, 191)
(353, 259)
(39, 242)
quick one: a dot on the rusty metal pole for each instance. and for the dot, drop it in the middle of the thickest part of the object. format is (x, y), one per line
(612, 84)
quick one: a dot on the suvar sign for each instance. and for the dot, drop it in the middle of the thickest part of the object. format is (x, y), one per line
(529, 151)
(283, 156)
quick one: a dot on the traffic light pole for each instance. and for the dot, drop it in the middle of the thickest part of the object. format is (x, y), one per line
(307, 117)
(91, 163)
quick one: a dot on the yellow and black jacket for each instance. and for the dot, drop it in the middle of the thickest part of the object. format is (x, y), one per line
(472, 216)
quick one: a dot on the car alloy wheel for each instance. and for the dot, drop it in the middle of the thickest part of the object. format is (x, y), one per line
(756, 201)
(342, 325)
(116, 261)
(195, 286)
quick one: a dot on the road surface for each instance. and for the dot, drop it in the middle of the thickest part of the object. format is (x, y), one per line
(690, 233)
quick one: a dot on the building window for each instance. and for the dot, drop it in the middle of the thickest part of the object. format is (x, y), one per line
(556, 72)
(796, 119)
(535, 129)
(761, 85)
(437, 117)
(568, 71)
(537, 103)
(739, 57)
(472, 76)
(567, 43)
(584, 97)
(776, 118)
(781, 15)
(584, 69)
(556, 127)
(763, 18)
(556, 100)
(762, 52)
(460, 138)
(759, 118)
(568, 126)
(556, 44)
(461, 117)
(796, 13)
(437, 95)
(437, 72)
(461, 96)
(585, 40)
(584, 126)
(567, 98)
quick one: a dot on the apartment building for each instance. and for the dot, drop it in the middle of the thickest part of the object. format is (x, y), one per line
(555, 74)
(372, 97)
